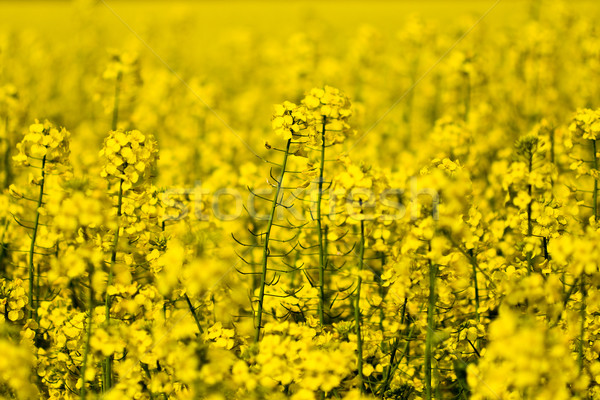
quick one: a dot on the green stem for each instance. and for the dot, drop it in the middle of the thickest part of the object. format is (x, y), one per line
(595, 207)
(113, 258)
(7, 164)
(36, 224)
(320, 231)
(263, 277)
(430, 330)
(357, 316)
(475, 285)
(88, 334)
(115, 116)
(476, 288)
(381, 293)
(193, 311)
(107, 300)
(3, 247)
(529, 212)
(393, 364)
(580, 347)
(467, 99)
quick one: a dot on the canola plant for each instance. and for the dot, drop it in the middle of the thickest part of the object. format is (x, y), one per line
(416, 217)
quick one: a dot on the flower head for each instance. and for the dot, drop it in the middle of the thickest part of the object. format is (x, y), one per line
(586, 124)
(289, 119)
(329, 110)
(128, 156)
(44, 142)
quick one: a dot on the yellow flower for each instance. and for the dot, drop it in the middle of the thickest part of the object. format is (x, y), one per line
(128, 156)
(44, 142)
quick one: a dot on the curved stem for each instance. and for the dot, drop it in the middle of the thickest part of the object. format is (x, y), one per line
(36, 224)
(322, 260)
(263, 276)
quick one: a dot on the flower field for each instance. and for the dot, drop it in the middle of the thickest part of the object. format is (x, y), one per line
(303, 200)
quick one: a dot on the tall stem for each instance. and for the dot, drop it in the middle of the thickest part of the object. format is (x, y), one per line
(530, 193)
(115, 115)
(580, 347)
(430, 329)
(467, 99)
(529, 213)
(582, 288)
(36, 224)
(263, 277)
(475, 284)
(7, 164)
(3, 251)
(88, 334)
(107, 378)
(357, 316)
(595, 206)
(107, 299)
(391, 366)
(322, 261)
(476, 289)
(194, 314)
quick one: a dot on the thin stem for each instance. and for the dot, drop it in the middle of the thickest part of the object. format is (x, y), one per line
(357, 316)
(475, 285)
(580, 347)
(193, 311)
(32, 308)
(393, 363)
(529, 212)
(7, 164)
(582, 288)
(3, 247)
(595, 207)
(467, 99)
(113, 260)
(430, 329)
(476, 288)
(263, 277)
(320, 230)
(115, 116)
(88, 334)
(381, 293)
(552, 141)
(530, 192)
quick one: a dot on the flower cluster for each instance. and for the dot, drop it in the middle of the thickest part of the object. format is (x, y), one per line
(540, 366)
(44, 142)
(288, 120)
(15, 370)
(329, 110)
(450, 252)
(13, 299)
(294, 355)
(129, 156)
(586, 124)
